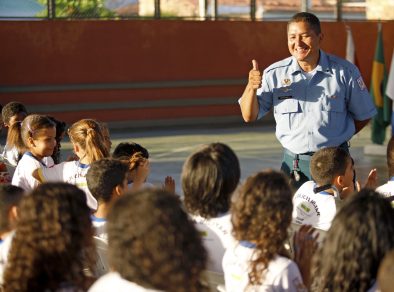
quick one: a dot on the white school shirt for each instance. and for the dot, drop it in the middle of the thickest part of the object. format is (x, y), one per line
(10, 158)
(23, 176)
(313, 209)
(216, 235)
(114, 282)
(72, 172)
(387, 190)
(5, 246)
(282, 273)
(100, 227)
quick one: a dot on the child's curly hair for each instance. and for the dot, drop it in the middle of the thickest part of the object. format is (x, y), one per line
(154, 244)
(53, 242)
(261, 213)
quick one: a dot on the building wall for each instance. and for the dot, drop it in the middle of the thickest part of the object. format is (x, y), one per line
(136, 73)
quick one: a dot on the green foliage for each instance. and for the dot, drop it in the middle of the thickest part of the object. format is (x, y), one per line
(79, 9)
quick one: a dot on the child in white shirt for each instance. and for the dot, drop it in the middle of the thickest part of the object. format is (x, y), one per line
(209, 178)
(315, 201)
(152, 245)
(35, 137)
(387, 189)
(261, 215)
(11, 113)
(107, 181)
(87, 141)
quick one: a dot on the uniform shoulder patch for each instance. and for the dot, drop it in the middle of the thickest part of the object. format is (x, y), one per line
(361, 83)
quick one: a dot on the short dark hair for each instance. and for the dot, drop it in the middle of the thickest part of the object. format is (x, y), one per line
(10, 196)
(11, 109)
(309, 18)
(128, 149)
(153, 243)
(209, 177)
(390, 156)
(327, 163)
(103, 176)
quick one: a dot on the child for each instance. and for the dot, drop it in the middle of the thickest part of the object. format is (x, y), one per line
(60, 132)
(152, 245)
(107, 181)
(361, 234)
(12, 112)
(52, 249)
(139, 166)
(5, 177)
(315, 201)
(386, 273)
(10, 197)
(87, 140)
(209, 178)
(106, 135)
(261, 215)
(387, 189)
(35, 137)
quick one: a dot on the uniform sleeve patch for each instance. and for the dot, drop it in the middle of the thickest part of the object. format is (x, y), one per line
(361, 83)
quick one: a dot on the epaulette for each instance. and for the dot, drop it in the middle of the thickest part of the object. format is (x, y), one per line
(280, 64)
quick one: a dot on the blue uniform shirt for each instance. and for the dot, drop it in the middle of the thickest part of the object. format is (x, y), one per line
(316, 113)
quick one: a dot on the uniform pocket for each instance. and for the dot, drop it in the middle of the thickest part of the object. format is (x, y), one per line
(333, 111)
(285, 112)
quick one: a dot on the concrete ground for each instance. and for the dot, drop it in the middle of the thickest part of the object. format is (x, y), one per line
(256, 147)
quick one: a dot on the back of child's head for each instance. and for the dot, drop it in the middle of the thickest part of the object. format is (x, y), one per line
(13, 112)
(87, 134)
(328, 163)
(209, 177)
(361, 233)
(60, 132)
(10, 197)
(386, 273)
(30, 128)
(103, 176)
(390, 156)
(153, 243)
(128, 149)
(261, 213)
(53, 242)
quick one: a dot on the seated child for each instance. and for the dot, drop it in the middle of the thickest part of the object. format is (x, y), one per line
(35, 138)
(315, 201)
(139, 166)
(12, 112)
(153, 245)
(52, 248)
(10, 197)
(209, 178)
(60, 132)
(261, 216)
(387, 189)
(107, 180)
(87, 140)
(362, 233)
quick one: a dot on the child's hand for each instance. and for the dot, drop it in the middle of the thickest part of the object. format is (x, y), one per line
(372, 180)
(169, 184)
(305, 246)
(142, 171)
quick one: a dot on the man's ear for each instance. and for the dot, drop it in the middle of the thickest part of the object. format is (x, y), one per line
(321, 37)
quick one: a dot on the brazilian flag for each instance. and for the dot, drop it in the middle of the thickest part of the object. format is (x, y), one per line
(377, 90)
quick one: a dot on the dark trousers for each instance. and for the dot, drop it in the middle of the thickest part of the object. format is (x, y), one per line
(303, 166)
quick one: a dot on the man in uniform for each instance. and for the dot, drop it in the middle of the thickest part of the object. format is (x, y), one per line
(318, 100)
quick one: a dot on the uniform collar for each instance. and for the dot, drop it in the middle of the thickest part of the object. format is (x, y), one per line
(324, 64)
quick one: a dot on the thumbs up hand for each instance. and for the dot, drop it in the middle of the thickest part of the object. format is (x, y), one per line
(255, 78)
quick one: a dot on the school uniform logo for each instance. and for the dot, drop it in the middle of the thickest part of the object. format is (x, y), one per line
(286, 82)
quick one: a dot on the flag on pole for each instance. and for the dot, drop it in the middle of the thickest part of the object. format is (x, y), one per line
(377, 90)
(390, 80)
(350, 47)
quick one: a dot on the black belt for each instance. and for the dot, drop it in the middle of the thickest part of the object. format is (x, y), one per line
(308, 155)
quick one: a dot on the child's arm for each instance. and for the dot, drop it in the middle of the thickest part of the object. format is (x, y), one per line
(142, 172)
